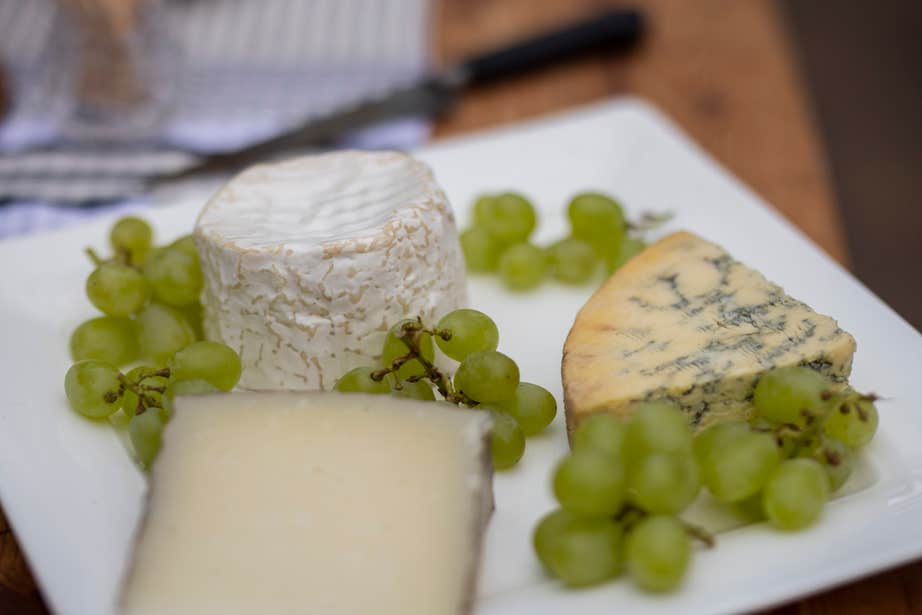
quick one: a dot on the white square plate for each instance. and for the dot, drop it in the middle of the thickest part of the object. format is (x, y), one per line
(74, 496)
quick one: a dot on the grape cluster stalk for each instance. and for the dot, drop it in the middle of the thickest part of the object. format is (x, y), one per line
(486, 379)
(411, 333)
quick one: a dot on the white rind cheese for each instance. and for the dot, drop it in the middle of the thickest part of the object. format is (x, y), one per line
(686, 322)
(308, 262)
(314, 503)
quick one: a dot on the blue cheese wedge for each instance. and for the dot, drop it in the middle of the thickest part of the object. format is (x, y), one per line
(309, 261)
(313, 503)
(685, 321)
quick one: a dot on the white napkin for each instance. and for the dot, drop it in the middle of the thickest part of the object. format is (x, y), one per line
(243, 70)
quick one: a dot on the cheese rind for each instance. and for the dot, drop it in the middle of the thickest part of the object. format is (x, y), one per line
(313, 503)
(308, 262)
(686, 322)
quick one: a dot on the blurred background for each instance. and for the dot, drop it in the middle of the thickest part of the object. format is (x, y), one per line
(813, 103)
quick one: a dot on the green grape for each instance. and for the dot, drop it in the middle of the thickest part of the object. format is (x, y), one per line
(508, 217)
(175, 276)
(795, 494)
(507, 442)
(145, 431)
(590, 483)
(837, 459)
(394, 348)
(629, 248)
(132, 235)
(120, 419)
(186, 387)
(487, 376)
(522, 266)
(656, 427)
(92, 388)
(106, 338)
(783, 394)
(532, 406)
(608, 247)
(415, 390)
(190, 387)
(130, 398)
(713, 438)
(212, 362)
(359, 380)
(186, 243)
(853, 421)
(750, 509)
(572, 261)
(595, 217)
(547, 531)
(117, 289)
(163, 332)
(788, 441)
(582, 552)
(481, 250)
(740, 466)
(657, 553)
(471, 331)
(664, 483)
(605, 433)
(788, 444)
(193, 314)
(482, 208)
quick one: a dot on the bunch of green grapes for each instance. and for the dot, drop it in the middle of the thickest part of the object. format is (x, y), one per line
(141, 400)
(799, 448)
(498, 241)
(149, 298)
(620, 491)
(484, 379)
(623, 485)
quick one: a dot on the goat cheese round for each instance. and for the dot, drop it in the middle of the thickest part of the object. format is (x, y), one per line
(309, 261)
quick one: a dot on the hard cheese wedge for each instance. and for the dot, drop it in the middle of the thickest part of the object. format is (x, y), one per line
(684, 321)
(313, 503)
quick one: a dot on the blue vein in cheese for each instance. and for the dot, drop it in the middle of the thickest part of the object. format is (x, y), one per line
(687, 322)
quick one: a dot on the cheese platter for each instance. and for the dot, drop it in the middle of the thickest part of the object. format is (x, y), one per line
(76, 497)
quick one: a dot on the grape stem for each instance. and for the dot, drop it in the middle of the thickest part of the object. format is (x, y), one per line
(411, 334)
(163, 372)
(122, 256)
(91, 253)
(445, 334)
(853, 404)
(145, 400)
(698, 533)
(650, 220)
(631, 515)
(395, 383)
(378, 375)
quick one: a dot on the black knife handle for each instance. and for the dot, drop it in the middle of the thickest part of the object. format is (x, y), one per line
(612, 30)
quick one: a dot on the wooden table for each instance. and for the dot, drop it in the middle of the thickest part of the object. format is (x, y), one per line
(724, 70)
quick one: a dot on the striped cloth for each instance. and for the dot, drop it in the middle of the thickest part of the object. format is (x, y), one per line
(240, 70)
